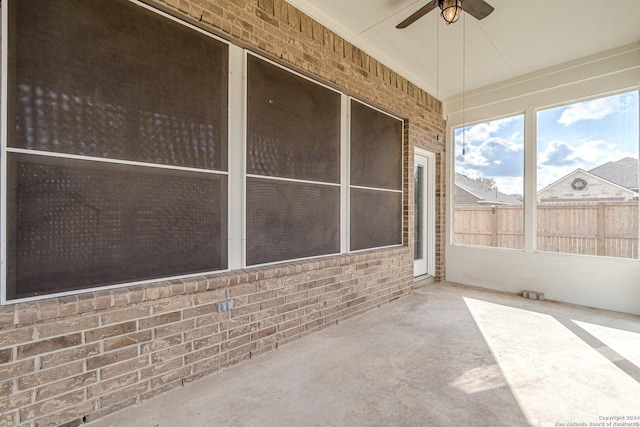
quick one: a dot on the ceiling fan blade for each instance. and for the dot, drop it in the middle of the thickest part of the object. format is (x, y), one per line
(418, 14)
(479, 9)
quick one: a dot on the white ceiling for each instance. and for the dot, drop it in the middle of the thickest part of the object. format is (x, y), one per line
(519, 37)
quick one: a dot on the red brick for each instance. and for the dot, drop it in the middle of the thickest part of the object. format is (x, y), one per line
(69, 417)
(174, 328)
(171, 352)
(122, 395)
(169, 377)
(67, 356)
(200, 332)
(207, 341)
(127, 340)
(121, 368)
(111, 358)
(49, 345)
(162, 319)
(14, 401)
(200, 355)
(7, 315)
(52, 405)
(67, 326)
(271, 303)
(27, 312)
(60, 387)
(160, 368)
(110, 331)
(116, 383)
(171, 304)
(160, 344)
(129, 313)
(49, 309)
(50, 375)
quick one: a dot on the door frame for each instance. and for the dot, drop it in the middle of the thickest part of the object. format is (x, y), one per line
(429, 210)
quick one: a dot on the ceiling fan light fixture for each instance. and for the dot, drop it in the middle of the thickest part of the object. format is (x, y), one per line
(451, 10)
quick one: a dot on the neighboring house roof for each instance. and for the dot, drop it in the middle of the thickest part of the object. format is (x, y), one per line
(623, 172)
(483, 193)
(597, 189)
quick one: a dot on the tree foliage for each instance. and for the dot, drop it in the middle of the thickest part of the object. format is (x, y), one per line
(487, 182)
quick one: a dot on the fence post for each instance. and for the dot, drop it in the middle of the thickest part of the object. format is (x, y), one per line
(602, 250)
(494, 226)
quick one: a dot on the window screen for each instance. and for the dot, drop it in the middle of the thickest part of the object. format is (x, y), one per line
(376, 148)
(112, 79)
(293, 132)
(376, 218)
(489, 184)
(287, 220)
(293, 125)
(376, 178)
(587, 176)
(76, 224)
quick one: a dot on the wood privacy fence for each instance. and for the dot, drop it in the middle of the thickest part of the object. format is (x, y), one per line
(606, 229)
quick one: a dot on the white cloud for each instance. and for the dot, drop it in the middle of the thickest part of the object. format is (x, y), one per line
(595, 110)
(560, 158)
(510, 185)
(491, 153)
(483, 131)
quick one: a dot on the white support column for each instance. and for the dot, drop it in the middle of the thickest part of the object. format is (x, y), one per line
(530, 180)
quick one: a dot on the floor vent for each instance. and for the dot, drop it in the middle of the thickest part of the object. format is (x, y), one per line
(533, 295)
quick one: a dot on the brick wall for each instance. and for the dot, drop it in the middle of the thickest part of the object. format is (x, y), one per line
(71, 359)
(78, 358)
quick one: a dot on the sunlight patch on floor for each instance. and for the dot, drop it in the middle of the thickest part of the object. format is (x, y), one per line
(480, 379)
(555, 376)
(625, 343)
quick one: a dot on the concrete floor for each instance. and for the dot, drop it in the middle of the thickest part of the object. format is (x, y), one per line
(447, 355)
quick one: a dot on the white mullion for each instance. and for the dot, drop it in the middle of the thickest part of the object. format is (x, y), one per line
(236, 194)
(345, 172)
(112, 161)
(293, 180)
(376, 248)
(360, 187)
(530, 180)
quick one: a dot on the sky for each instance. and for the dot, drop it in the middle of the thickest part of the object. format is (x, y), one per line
(582, 135)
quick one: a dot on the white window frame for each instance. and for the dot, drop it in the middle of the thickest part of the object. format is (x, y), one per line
(348, 162)
(236, 170)
(246, 175)
(451, 195)
(5, 149)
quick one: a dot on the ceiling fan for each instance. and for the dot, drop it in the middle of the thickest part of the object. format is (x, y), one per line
(451, 10)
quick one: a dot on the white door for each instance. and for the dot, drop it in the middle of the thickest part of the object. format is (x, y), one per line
(424, 211)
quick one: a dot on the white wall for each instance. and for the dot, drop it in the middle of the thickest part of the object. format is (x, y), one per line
(607, 283)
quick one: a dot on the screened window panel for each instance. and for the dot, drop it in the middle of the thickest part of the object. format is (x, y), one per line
(376, 148)
(289, 220)
(376, 219)
(489, 184)
(588, 205)
(112, 79)
(293, 125)
(76, 224)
